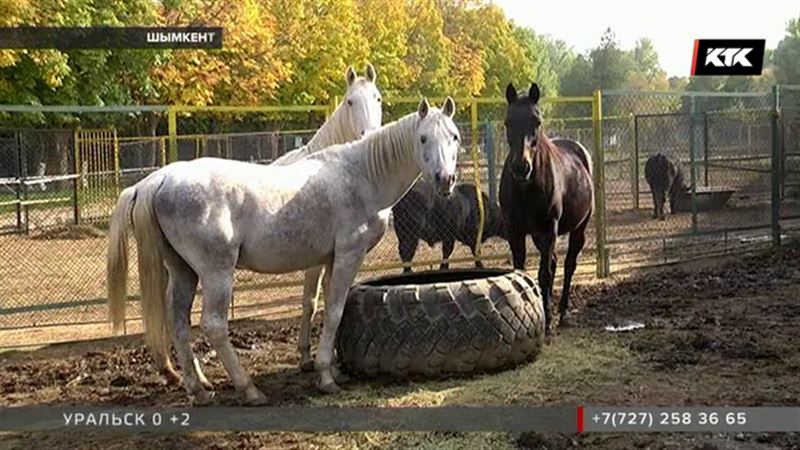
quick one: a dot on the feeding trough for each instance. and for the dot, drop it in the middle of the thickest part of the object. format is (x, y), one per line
(705, 199)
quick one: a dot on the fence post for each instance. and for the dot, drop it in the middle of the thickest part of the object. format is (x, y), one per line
(635, 180)
(775, 166)
(492, 163)
(172, 130)
(163, 151)
(117, 167)
(76, 210)
(705, 147)
(23, 171)
(476, 167)
(599, 186)
(20, 163)
(692, 160)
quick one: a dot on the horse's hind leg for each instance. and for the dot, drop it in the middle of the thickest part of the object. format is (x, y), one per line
(662, 198)
(217, 291)
(447, 250)
(655, 202)
(577, 239)
(311, 288)
(180, 293)
(478, 263)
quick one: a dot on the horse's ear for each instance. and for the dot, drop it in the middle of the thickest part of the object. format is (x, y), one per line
(449, 107)
(534, 93)
(511, 93)
(423, 108)
(371, 75)
(350, 75)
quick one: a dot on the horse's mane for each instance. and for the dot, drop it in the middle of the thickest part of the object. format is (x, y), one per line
(332, 132)
(546, 162)
(385, 147)
(381, 149)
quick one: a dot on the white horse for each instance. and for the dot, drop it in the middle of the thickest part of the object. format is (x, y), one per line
(362, 114)
(359, 113)
(199, 220)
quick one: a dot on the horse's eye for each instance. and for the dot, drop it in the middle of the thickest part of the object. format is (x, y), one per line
(455, 137)
(379, 99)
(423, 139)
(349, 102)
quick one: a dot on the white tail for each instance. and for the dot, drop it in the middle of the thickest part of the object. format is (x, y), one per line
(137, 203)
(117, 258)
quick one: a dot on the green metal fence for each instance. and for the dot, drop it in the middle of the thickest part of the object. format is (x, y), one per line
(54, 197)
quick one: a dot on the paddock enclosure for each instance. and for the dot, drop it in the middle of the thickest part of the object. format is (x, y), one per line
(59, 185)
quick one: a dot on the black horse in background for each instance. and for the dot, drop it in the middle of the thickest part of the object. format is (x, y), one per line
(422, 214)
(545, 191)
(664, 177)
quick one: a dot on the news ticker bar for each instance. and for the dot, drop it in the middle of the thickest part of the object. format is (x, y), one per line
(68, 38)
(454, 419)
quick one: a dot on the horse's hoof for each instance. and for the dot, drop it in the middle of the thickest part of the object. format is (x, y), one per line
(548, 339)
(340, 377)
(254, 397)
(173, 378)
(203, 398)
(565, 321)
(329, 388)
(307, 366)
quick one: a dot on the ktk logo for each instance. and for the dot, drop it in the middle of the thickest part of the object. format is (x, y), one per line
(728, 56)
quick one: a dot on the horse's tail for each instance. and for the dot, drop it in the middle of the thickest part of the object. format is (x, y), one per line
(153, 278)
(117, 257)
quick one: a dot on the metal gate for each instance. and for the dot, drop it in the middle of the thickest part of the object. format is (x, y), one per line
(97, 164)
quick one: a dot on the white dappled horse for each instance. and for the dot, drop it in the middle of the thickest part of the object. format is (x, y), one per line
(201, 219)
(359, 113)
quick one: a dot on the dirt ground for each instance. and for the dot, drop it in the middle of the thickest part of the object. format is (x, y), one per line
(716, 334)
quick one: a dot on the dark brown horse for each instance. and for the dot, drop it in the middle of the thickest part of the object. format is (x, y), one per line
(545, 191)
(422, 214)
(664, 177)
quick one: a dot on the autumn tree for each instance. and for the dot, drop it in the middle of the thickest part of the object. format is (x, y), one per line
(247, 70)
(430, 52)
(386, 24)
(786, 57)
(318, 39)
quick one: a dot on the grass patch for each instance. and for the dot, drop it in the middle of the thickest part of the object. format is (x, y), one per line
(575, 362)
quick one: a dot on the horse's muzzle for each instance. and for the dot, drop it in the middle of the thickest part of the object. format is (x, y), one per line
(521, 171)
(444, 183)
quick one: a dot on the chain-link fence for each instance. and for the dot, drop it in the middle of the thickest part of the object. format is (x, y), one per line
(735, 172)
(59, 187)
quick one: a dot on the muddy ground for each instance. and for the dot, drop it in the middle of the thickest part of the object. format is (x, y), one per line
(723, 333)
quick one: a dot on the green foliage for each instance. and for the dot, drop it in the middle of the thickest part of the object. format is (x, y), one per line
(786, 57)
(296, 51)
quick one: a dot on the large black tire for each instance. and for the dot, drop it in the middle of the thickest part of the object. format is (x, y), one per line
(441, 322)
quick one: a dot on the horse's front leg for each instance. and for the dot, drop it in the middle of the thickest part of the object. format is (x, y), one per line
(311, 288)
(345, 266)
(516, 240)
(545, 242)
(577, 238)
